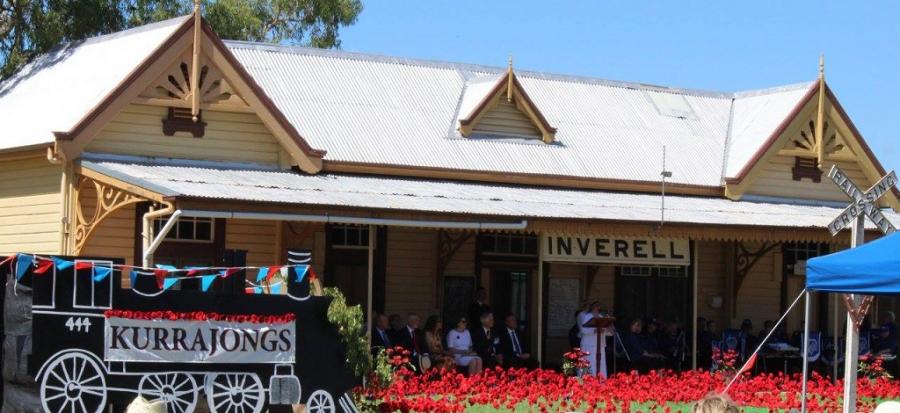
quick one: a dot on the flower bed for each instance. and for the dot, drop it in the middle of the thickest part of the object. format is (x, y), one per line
(548, 391)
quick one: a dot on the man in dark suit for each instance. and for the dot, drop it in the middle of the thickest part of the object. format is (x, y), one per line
(412, 339)
(485, 341)
(479, 306)
(512, 347)
(381, 334)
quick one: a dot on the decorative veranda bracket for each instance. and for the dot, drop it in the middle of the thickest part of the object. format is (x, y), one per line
(107, 199)
(744, 261)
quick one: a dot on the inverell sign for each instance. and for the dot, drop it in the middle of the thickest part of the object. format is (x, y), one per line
(189, 341)
(615, 250)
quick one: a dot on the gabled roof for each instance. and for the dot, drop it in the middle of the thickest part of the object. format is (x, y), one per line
(58, 89)
(372, 111)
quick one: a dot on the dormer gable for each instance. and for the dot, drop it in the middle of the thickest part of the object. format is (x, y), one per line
(164, 81)
(498, 107)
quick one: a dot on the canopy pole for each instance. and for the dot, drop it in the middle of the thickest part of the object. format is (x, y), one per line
(806, 306)
(851, 357)
(834, 334)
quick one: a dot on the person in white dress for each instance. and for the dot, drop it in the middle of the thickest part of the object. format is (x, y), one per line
(589, 342)
(459, 344)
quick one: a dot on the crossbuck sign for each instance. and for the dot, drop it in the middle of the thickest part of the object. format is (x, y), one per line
(863, 202)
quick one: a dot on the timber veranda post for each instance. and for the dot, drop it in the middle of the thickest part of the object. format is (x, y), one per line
(851, 357)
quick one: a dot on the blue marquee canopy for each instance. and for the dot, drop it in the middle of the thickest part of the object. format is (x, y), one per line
(870, 269)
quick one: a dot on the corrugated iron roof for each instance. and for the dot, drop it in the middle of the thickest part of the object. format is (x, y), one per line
(396, 111)
(236, 183)
(53, 92)
(383, 110)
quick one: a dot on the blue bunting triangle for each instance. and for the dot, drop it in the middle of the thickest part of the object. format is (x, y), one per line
(207, 280)
(61, 264)
(133, 274)
(100, 273)
(263, 271)
(257, 290)
(23, 262)
(166, 267)
(275, 289)
(301, 272)
(169, 282)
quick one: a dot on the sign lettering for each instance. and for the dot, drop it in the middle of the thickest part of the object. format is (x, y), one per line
(189, 341)
(638, 251)
(863, 202)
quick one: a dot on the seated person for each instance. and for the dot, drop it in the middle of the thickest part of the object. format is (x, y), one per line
(485, 342)
(412, 339)
(459, 345)
(434, 342)
(885, 343)
(381, 334)
(512, 347)
(641, 359)
(747, 342)
(648, 336)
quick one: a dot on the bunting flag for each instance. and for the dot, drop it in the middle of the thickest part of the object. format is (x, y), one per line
(133, 276)
(300, 272)
(61, 264)
(100, 273)
(207, 280)
(22, 263)
(192, 271)
(168, 283)
(166, 267)
(275, 289)
(261, 275)
(160, 275)
(257, 290)
(43, 266)
(272, 271)
(228, 272)
(8, 259)
(83, 265)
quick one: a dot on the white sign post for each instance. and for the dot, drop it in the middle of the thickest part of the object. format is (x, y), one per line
(864, 204)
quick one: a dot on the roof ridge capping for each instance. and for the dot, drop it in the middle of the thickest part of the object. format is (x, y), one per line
(772, 90)
(490, 70)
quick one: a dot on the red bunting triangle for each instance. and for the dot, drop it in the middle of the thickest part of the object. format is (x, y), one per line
(272, 271)
(312, 274)
(160, 276)
(43, 266)
(10, 259)
(250, 290)
(230, 271)
(84, 265)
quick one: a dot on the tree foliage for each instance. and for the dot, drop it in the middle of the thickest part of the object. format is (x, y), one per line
(31, 27)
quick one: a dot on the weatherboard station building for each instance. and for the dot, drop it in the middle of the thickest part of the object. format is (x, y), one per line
(415, 182)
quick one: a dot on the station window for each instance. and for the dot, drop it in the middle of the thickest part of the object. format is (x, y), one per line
(509, 244)
(187, 229)
(638, 271)
(349, 237)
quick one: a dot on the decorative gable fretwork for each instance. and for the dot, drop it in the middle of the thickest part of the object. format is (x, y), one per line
(803, 144)
(173, 87)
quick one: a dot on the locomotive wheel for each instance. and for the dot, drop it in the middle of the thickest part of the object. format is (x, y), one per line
(234, 393)
(73, 383)
(320, 402)
(178, 390)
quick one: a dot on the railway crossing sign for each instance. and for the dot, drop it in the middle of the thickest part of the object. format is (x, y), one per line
(863, 202)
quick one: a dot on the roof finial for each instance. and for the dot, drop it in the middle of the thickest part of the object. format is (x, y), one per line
(820, 116)
(195, 65)
(822, 66)
(509, 85)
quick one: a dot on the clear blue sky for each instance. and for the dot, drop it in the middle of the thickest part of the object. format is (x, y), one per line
(716, 45)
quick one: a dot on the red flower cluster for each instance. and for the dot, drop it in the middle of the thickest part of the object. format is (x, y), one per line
(665, 391)
(398, 357)
(575, 360)
(200, 316)
(726, 361)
